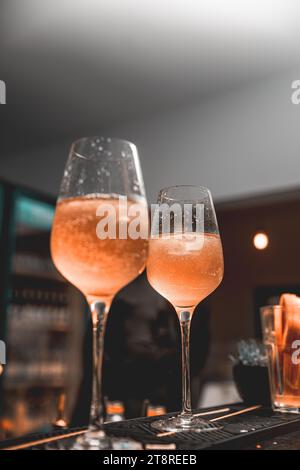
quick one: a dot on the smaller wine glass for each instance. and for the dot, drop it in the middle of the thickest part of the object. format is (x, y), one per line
(185, 264)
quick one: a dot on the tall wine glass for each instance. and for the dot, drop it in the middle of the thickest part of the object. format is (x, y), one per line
(102, 194)
(185, 264)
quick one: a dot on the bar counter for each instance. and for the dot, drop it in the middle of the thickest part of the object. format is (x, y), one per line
(241, 427)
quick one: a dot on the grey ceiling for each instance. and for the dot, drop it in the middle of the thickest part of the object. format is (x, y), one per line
(72, 67)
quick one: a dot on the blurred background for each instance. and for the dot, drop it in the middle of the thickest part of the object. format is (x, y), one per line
(204, 90)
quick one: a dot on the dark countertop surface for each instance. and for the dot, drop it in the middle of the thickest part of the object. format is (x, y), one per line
(259, 429)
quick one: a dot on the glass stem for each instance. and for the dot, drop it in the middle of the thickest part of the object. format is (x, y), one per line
(99, 312)
(185, 325)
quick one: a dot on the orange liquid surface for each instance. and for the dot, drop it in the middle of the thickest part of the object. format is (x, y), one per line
(185, 268)
(99, 268)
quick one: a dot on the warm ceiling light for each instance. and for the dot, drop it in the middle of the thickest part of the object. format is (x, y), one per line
(261, 241)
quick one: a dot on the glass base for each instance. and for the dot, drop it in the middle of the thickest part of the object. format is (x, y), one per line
(93, 439)
(182, 423)
(286, 409)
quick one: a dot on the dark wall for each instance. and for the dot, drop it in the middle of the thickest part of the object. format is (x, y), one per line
(277, 268)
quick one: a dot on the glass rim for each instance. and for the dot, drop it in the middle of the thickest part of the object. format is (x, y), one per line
(178, 186)
(107, 139)
(276, 307)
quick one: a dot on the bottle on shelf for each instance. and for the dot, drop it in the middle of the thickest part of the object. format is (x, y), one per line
(156, 410)
(114, 411)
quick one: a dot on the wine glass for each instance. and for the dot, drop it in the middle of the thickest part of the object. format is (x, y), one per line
(185, 264)
(94, 243)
